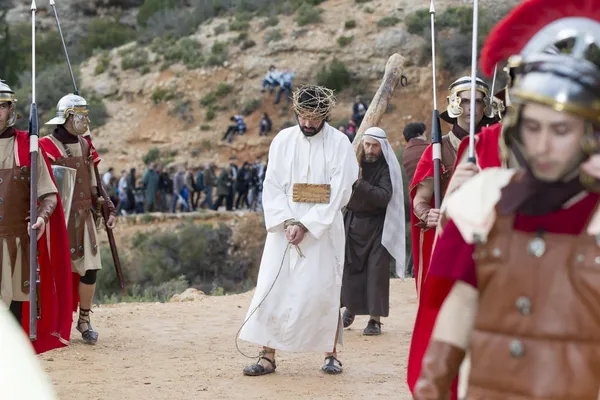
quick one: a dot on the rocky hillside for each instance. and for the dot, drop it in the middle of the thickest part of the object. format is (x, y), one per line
(165, 102)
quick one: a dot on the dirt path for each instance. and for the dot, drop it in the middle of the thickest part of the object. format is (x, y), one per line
(180, 351)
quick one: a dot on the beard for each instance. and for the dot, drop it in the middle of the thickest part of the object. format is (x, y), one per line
(371, 158)
(308, 132)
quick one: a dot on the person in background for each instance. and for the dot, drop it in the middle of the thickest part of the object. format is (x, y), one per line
(210, 180)
(271, 79)
(265, 125)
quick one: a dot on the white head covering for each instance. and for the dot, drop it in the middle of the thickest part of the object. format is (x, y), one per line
(394, 230)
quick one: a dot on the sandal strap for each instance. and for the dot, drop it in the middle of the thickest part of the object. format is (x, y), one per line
(331, 359)
(272, 362)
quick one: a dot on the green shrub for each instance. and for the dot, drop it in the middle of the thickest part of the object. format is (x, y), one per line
(223, 89)
(187, 51)
(152, 155)
(104, 34)
(369, 10)
(361, 1)
(97, 111)
(151, 7)
(222, 28)
(218, 54)
(343, 41)
(335, 76)
(273, 35)
(182, 110)
(418, 21)
(138, 58)
(241, 37)
(102, 63)
(247, 44)
(205, 127)
(270, 22)
(308, 14)
(168, 23)
(350, 24)
(250, 106)
(208, 100)
(161, 94)
(210, 114)
(387, 21)
(239, 25)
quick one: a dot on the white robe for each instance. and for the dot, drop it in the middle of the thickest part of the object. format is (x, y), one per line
(302, 311)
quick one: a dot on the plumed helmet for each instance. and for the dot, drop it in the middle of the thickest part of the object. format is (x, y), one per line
(8, 95)
(69, 104)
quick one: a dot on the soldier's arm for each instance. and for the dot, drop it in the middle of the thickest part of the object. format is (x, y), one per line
(422, 200)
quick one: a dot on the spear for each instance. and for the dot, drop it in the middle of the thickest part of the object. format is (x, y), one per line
(34, 272)
(104, 197)
(436, 131)
(473, 84)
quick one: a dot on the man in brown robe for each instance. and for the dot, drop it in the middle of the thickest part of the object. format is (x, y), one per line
(416, 143)
(374, 224)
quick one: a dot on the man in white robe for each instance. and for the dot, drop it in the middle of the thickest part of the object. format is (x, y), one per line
(296, 305)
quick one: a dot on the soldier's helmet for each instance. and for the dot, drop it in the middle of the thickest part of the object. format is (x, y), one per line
(7, 95)
(454, 109)
(69, 105)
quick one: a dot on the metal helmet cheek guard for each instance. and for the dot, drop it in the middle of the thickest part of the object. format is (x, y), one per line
(8, 95)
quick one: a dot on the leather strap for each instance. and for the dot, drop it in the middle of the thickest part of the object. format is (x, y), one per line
(26, 283)
(440, 367)
(90, 226)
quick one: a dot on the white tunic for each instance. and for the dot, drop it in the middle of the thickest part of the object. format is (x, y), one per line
(302, 311)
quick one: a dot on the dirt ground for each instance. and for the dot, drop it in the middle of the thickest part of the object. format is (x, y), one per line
(180, 351)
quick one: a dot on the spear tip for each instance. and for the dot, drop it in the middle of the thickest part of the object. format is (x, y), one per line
(431, 7)
(52, 3)
(33, 6)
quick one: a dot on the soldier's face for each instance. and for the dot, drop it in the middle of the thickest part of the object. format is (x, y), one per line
(372, 149)
(465, 104)
(6, 110)
(78, 123)
(552, 141)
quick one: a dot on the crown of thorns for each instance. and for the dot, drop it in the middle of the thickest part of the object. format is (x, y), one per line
(313, 102)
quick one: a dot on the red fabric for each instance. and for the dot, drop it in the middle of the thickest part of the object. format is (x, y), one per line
(511, 34)
(452, 260)
(54, 326)
(54, 153)
(424, 170)
(487, 147)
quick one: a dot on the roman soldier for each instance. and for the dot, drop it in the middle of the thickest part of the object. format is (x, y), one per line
(424, 216)
(68, 147)
(54, 319)
(513, 271)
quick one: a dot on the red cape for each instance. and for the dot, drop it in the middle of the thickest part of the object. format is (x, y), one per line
(487, 152)
(54, 326)
(54, 153)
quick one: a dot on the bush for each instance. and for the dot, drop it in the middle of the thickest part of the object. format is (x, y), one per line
(273, 35)
(152, 155)
(335, 76)
(210, 114)
(308, 14)
(369, 10)
(205, 127)
(169, 23)
(270, 22)
(208, 100)
(218, 54)
(223, 89)
(182, 110)
(102, 63)
(136, 59)
(247, 44)
(151, 7)
(343, 41)
(250, 106)
(105, 34)
(220, 29)
(239, 25)
(97, 112)
(350, 24)
(161, 94)
(387, 21)
(418, 21)
(187, 51)
(361, 1)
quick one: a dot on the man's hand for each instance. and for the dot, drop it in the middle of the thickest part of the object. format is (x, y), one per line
(294, 234)
(112, 221)
(463, 172)
(433, 217)
(40, 225)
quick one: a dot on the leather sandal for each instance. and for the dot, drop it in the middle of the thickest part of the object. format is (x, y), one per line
(347, 318)
(332, 365)
(89, 335)
(373, 328)
(258, 369)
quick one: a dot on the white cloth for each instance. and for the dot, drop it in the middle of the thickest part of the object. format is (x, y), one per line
(302, 311)
(21, 376)
(394, 226)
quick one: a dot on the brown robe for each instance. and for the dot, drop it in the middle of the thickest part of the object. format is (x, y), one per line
(366, 281)
(411, 155)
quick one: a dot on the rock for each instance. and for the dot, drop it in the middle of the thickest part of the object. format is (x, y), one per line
(190, 294)
(393, 40)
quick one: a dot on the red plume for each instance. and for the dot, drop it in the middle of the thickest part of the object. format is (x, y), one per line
(511, 34)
